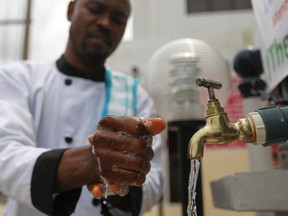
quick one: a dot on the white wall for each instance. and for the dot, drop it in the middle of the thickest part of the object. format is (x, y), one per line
(11, 36)
(158, 22)
(49, 29)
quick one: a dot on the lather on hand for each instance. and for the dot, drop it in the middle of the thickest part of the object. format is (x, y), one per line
(122, 151)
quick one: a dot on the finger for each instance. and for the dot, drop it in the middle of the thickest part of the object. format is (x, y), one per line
(122, 170)
(149, 153)
(112, 161)
(128, 124)
(119, 141)
(126, 177)
(90, 139)
(120, 190)
(114, 188)
(132, 125)
(96, 189)
(154, 125)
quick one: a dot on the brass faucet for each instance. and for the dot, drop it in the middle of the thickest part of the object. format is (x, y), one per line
(218, 128)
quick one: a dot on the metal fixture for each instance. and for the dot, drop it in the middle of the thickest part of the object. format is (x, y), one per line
(265, 126)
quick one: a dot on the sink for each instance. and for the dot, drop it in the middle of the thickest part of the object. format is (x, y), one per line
(252, 191)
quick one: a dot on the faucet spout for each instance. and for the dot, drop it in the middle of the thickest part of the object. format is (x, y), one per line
(219, 130)
(196, 145)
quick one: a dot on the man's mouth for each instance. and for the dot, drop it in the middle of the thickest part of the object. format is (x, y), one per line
(99, 36)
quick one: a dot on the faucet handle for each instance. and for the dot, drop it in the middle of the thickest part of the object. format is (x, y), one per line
(210, 85)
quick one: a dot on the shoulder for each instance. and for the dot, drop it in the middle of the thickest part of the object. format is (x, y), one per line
(26, 69)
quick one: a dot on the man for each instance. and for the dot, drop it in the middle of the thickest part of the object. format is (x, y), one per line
(48, 111)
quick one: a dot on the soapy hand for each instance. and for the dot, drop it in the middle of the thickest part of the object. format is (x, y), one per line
(122, 151)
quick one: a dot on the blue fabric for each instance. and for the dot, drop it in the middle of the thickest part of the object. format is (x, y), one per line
(121, 94)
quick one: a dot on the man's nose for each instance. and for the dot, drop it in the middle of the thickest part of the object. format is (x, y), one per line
(104, 21)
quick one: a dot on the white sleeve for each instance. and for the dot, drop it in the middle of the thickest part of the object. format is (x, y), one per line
(17, 136)
(153, 187)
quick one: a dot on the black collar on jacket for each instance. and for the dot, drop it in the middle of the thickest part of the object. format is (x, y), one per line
(68, 69)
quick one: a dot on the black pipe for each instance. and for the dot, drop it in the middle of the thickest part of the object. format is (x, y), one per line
(275, 120)
(186, 129)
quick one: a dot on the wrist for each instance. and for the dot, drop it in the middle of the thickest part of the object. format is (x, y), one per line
(76, 168)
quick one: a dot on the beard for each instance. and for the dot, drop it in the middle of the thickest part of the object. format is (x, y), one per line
(90, 54)
(92, 57)
(94, 48)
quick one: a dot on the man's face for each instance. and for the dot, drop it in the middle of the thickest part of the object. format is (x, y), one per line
(97, 27)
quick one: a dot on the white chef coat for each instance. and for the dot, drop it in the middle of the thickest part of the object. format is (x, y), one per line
(42, 109)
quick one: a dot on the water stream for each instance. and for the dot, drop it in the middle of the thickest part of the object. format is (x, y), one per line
(194, 172)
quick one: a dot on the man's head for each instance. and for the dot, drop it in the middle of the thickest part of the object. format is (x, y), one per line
(97, 27)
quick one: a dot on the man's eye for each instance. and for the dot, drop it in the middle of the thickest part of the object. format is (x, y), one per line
(120, 22)
(94, 10)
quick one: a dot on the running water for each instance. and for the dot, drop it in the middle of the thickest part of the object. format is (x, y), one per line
(194, 172)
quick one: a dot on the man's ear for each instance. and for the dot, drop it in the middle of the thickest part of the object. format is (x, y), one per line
(70, 10)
